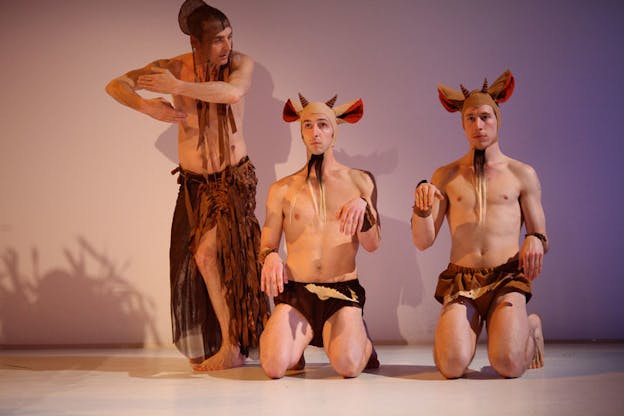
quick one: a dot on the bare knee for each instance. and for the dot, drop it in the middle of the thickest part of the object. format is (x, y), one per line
(509, 363)
(452, 362)
(348, 363)
(205, 258)
(274, 363)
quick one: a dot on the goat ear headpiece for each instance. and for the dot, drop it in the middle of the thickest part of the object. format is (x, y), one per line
(499, 92)
(350, 112)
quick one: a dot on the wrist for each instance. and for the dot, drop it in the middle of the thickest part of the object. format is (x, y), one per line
(421, 213)
(539, 236)
(369, 218)
(262, 256)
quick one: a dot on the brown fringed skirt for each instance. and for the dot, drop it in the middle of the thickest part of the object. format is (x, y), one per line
(225, 200)
(481, 284)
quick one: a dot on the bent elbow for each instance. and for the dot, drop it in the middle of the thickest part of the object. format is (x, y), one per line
(371, 246)
(110, 88)
(421, 244)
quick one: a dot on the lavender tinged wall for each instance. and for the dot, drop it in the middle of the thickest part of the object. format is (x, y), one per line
(87, 197)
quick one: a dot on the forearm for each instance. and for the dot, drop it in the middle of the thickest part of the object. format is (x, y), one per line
(213, 91)
(423, 231)
(124, 93)
(371, 239)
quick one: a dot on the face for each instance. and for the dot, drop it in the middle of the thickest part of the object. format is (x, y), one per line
(218, 48)
(480, 126)
(317, 133)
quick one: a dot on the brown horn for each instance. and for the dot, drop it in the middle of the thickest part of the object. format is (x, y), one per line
(464, 91)
(332, 101)
(304, 102)
(485, 86)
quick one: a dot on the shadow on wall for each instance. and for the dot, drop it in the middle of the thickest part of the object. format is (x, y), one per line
(391, 275)
(267, 136)
(72, 305)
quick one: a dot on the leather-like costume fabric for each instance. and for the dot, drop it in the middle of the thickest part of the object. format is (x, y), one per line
(317, 304)
(225, 200)
(481, 284)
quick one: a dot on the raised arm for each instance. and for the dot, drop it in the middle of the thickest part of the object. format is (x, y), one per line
(230, 92)
(124, 90)
(273, 276)
(536, 240)
(429, 210)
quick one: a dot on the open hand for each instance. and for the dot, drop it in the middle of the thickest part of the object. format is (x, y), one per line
(162, 110)
(161, 81)
(531, 257)
(351, 216)
(425, 194)
(273, 276)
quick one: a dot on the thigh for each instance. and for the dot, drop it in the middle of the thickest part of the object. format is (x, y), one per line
(458, 327)
(287, 332)
(507, 322)
(207, 249)
(345, 331)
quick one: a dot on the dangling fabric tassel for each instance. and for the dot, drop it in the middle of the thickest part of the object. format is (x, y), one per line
(478, 163)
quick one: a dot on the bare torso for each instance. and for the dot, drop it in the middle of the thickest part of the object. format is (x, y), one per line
(188, 131)
(317, 250)
(495, 240)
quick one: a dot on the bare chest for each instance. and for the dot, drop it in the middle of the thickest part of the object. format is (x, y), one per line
(502, 190)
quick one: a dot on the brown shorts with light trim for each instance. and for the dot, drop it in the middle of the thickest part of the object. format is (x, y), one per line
(481, 284)
(317, 302)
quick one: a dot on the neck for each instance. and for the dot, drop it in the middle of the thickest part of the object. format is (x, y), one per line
(493, 153)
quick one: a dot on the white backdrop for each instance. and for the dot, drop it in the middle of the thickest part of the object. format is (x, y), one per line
(86, 191)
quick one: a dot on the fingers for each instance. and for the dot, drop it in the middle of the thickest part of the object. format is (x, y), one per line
(272, 278)
(351, 216)
(532, 264)
(425, 195)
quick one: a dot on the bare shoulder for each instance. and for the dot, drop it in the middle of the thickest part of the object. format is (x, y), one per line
(241, 61)
(364, 180)
(279, 188)
(443, 175)
(523, 171)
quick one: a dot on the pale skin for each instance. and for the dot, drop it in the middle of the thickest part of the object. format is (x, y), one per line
(176, 77)
(317, 252)
(515, 340)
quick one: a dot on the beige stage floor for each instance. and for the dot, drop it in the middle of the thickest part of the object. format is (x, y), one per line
(578, 379)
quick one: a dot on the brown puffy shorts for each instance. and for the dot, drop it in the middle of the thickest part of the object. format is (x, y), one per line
(481, 284)
(317, 302)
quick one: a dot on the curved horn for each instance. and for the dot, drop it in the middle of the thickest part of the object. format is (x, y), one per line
(332, 101)
(485, 86)
(304, 102)
(464, 91)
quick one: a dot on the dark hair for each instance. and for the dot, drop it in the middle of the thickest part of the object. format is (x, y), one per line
(207, 19)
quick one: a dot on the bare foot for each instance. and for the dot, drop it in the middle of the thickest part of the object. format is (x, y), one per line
(535, 325)
(300, 364)
(227, 357)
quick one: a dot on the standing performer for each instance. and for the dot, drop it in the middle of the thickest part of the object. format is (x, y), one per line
(325, 211)
(485, 196)
(217, 308)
